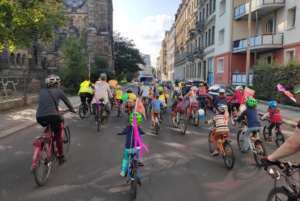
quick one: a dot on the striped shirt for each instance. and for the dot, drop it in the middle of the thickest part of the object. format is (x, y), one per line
(220, 122)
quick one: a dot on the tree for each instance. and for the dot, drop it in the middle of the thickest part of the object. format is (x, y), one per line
(23, 21)
(127, 57)
(74, 57)
(154, 72)
(100, 65)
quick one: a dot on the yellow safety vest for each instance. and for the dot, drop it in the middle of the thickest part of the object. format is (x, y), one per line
(85, 87)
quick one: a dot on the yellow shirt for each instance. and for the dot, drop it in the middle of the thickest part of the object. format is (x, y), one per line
(162, 97)
(113, 83)
(132, 96)
(119, 94)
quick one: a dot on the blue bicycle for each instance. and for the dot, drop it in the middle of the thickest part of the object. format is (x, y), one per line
(134, 175)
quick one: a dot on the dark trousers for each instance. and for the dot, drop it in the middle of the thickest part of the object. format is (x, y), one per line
(84, 96)
(271, 126)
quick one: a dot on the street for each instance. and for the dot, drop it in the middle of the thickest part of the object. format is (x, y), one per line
(178, 167)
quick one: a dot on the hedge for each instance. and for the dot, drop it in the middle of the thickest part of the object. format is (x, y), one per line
(267, 76)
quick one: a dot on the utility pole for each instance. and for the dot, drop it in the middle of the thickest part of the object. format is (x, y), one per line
(249, 44)
(89, 66)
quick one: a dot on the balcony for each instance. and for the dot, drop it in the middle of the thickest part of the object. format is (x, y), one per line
(260, 43)
(198, 52)
(200, 25)
(264, 7)
(191, 34)
(189, 56)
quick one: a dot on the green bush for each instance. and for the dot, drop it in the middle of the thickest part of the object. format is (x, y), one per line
(120, 77)
(129, 77)
(267, 76)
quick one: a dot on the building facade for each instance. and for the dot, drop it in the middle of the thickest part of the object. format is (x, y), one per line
(147, 69)
(170, 52)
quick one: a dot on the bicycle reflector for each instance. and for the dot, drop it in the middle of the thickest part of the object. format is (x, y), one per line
(37, 142)
(274, 173)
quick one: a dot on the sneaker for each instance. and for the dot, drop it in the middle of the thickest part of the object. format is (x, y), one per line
(139, 181)
(122, 112)
(269, 138)
(62, 160)
(215, 153)
(141, 163)
(122, 173)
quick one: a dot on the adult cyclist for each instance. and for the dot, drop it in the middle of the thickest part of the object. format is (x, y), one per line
(113, 83)
(202, 94)
(176, 87)
(47, 111)
(86, 91)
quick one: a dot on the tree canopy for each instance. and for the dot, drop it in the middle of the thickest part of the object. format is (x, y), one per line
(23, 21)
(127, 56)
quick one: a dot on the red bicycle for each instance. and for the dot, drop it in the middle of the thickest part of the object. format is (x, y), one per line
(46, 152)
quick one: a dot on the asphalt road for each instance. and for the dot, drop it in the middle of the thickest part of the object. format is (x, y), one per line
(177, 167)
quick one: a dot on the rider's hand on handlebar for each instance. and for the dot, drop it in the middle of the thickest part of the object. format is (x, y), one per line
(266, 162)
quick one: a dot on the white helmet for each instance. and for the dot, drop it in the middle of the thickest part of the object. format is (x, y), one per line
(222, 108)
(221, 90)
(239, 88)
(194, 88)
(52, 79)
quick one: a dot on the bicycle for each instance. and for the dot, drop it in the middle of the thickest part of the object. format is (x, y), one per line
(233, 114)
(224, 147)
(256, 145)
(181, 121)
(290, 172)
(278, 137)
(46, 152)
(145, 103)
(119, 108)
(194, 113)
(134, 175)
(99, 114)
(83, 109)
(156, 123)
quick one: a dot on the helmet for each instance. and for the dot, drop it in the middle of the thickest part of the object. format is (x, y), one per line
(194, 88)
(138, 118)
(238, 88)
(160, 89)
(177, 80)
(221, 90)
(118, 87)
(178, 93)
(251, 102)
(273, 104)
(201, 84)
(103, 76)
(52, 79)
(145, 82)
(222, 108)
(156, 95)
(129, 90)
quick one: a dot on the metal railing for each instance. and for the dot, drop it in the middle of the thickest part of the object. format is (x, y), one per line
(259, 40)
(200, 24)
(255, 4)
(198, 50)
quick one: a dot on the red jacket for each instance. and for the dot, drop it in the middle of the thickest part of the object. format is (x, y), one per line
(275, 115)
(240, 98)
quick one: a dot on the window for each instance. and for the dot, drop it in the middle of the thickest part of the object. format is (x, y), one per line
(220, 68)
(269, 26)
(289, 55)
(209, 33)
(207, 11)
(214, 5)
(210, 6)
(203, 13)
(199, 69)
(213, 35)
(205, 39)
(200, 17)
(221, 36)
(222, 6)
(291, 18)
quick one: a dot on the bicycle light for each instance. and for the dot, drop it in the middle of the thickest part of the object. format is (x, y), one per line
(274, 173)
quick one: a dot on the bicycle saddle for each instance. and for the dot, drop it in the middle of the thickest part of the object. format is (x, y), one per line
(101, 99)
(255, 132)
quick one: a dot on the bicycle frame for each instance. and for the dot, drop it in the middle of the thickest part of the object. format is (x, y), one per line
(251, 139)
(132, 159)
(223, 139)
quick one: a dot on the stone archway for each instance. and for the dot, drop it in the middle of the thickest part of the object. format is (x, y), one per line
(18, 60)
(12, 59)
(24, 61)
(80, 23)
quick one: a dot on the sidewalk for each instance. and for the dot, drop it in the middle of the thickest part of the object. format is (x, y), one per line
(20, 118)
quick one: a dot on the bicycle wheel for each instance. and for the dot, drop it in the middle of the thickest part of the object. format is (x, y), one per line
(174, 122)
(260, 153)
(277, 194)
(232, 117)
(183, 127)
(228, 155)
(119, 110)
(66, 140)
(98, 120)
(43, 165)
(156, 129)
(90, 108)
(134, 179)
(187, 109)
(196, 117)
(265, 132)
(240, 141)
(82, 111)
(210, 142)
(279, 139)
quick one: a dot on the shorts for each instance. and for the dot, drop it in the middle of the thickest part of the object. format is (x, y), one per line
(120, 100)
(156, 111)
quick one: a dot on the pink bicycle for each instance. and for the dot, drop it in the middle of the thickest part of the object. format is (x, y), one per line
(46, 152)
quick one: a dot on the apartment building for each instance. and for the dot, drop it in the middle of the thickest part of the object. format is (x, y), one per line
(170, 52)
(146, 69)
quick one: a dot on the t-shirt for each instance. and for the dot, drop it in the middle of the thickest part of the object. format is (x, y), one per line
(146, 90)
(128, 132)
(119, 94)
(113, 83)
(221, 123)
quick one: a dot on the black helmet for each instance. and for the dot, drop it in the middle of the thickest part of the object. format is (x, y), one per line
(129, 90)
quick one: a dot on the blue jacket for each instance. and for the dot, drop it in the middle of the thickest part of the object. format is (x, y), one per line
(252, 117)
(128, 132)
(156, 105)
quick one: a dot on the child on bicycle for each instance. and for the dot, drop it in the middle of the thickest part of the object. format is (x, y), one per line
(129, 144)
(240, 98)
(178, 104)
(275, 118)
(131, 99)
(193, 98)
(253, 123)
(162, 96)
(119, 94)
(156, 106)
(221, 124)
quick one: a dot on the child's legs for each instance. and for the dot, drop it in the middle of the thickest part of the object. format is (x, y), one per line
(126, 158)
(270, 127)
(190, 110)
(216, 136)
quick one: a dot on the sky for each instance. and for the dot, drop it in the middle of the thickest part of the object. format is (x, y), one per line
(145, 22)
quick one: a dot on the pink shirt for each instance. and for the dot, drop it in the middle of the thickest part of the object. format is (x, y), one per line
(201, 92)
(239, 98)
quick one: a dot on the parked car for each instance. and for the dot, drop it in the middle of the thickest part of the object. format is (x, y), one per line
(189, 84)
(214, 91)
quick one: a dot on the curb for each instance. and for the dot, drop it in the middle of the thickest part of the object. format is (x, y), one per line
(292, 108)
(16, 129)
(285, 122)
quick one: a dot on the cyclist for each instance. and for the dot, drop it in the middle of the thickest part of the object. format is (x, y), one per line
(275, 118)
(178, 104)
(240, 98)
(162, 96)
(221, 99)
(102, 90)
(253, 122)
(193, 98)
(119, 94)
(113, 83)
(128, 131)
(47, 111)
(145, 92)
(221, 125)
(156, 106)
(86, 91)
(131, 99)
(202, 94)
(176, 87)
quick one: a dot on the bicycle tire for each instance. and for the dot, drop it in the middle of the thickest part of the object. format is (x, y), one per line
(174, 123)
(156, 129)
(228, 156)
(98, 120)
(90, 108)
(265, 132)
(233, 121)
(119, 109)
(187, 111)
(280, 139)
(210, 142)
(196, 118)
(240, 141)
(278, 192)
(260, 153)
(183, 127)
(66, 140)
(82, 111)
(42, 167)
(111, 104)
(134, 179)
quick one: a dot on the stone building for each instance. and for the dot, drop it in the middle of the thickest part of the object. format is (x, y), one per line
(95, 16)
